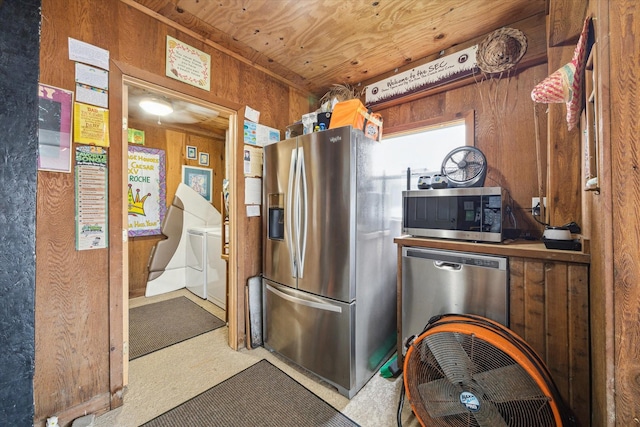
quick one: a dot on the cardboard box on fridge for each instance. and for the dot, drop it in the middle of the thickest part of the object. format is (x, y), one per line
(260, 135)
(353, 113)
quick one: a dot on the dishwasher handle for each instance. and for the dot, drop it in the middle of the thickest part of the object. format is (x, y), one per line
(451, 266)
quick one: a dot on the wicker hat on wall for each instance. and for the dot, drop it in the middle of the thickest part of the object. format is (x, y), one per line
(565, 84)
(501, 50)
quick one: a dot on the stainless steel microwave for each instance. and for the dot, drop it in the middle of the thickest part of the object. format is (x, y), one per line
(454, 213)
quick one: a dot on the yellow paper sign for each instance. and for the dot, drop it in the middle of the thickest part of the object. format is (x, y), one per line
(90, 124)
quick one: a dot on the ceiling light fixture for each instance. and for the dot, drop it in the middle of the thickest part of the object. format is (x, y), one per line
(156, 106)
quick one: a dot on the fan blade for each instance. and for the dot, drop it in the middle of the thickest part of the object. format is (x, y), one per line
(441, 398)
(508, 383)
(458, 157)
(451, 357)
(489, 416)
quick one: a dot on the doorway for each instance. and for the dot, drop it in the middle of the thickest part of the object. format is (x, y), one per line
(194, 125)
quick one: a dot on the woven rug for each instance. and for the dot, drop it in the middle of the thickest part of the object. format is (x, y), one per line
(162, 324)
(261, 395)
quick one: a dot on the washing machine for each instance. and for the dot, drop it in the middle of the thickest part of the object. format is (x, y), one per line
(206, 270)
(216, 269)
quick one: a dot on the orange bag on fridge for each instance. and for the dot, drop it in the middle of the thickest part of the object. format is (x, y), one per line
(353, 113)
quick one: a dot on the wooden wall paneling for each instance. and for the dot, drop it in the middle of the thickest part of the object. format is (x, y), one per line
(579, 343)
(601, 274)
(549, 309)
(72, 287)
(624, 92)
(299, 104)
(118, 272)
(176, 144)
(139, 251)
(506, 133)
(565, 21)
(237, 235)
(534, 310)
(557, 323)
(77, 368)
(564, 191)
(516, 296)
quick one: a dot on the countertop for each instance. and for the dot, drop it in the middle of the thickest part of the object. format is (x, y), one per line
(514, 248)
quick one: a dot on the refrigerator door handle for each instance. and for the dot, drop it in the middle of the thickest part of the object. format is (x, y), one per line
(302, 214)
(288, 214)
(296, 213)
(301, 301)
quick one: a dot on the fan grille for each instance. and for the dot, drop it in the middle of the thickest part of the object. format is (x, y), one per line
(465, 166)
(445, 365)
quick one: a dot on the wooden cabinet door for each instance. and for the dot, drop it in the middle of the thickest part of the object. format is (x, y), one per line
(549, 309)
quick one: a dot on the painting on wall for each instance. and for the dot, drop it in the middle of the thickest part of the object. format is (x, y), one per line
(147, 190)
(203, 159)
(192, 152)
(199, 179)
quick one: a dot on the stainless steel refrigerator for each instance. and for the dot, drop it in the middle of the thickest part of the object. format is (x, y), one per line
(329, 276)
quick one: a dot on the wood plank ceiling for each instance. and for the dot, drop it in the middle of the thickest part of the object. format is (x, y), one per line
(315, 44)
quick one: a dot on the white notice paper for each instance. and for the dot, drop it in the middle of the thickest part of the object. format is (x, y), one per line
(92, 76)
(92, 95)
(88, 53)
(251, 114)
(253, 210)
(252, 191)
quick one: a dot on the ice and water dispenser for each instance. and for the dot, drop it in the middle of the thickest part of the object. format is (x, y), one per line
(275, 224)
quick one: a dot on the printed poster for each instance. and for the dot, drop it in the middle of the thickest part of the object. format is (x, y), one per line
(147, 191)
(54, 128)
(90, 125)
(252, 161)
(91, 198)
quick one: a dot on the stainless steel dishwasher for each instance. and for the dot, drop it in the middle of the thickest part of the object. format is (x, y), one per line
(441, 282)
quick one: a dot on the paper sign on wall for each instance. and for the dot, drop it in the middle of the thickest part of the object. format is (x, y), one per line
(90, 125)
(260, 135)
(188, 64)
(91, 198)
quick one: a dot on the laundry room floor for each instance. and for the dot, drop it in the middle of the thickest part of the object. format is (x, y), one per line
(195, 365)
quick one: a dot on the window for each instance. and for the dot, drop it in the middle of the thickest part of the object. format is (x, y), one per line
(421, 147)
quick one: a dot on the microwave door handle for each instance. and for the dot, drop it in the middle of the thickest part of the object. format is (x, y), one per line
(302, 214)
(288, 214)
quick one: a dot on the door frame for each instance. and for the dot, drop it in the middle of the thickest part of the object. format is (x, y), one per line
(121, 75)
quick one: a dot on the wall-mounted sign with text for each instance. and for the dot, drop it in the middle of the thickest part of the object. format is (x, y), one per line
(435, 73)
(147, 190)
(188, 64)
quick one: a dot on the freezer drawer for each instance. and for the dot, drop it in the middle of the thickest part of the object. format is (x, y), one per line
(441, 282)
(313, 332)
